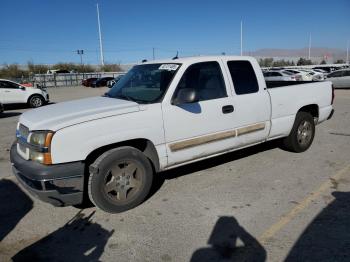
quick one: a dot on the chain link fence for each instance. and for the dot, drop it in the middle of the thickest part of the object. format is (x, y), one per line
(69, 79)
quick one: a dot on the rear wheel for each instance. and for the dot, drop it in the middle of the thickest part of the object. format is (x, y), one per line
(36, 101)
(302, 134)
(122, 181)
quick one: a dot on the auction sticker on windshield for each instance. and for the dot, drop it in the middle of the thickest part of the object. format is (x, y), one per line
(169, 67)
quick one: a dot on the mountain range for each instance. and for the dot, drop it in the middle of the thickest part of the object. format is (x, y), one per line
(321, 52)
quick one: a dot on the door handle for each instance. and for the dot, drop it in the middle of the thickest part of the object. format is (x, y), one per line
(6, 91)
(227, 109)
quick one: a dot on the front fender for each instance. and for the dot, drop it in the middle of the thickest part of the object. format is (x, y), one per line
(76, 142)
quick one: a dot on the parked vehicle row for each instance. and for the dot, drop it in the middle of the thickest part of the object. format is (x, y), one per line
(15, 93)
(88, 82)
(112, 82)
(100, 82)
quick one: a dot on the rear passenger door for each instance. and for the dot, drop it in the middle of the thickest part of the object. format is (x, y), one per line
(251, 101)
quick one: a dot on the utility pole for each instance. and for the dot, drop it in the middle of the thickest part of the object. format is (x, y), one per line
(153, 53)
(241, 38)
(347, 53)
(310, 46)
(100, 35)
(80, 52)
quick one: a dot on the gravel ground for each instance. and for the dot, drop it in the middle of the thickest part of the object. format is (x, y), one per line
(256, 204)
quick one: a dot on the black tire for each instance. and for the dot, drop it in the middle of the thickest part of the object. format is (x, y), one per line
(122, 179)
(36, 101)
(302, 134)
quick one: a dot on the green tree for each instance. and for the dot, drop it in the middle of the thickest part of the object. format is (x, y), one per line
(110, 68)
(12, 71)
(37, 69)
(303, 61)
(340, 61)
(266, 62)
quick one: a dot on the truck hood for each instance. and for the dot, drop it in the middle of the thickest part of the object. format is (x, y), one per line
(57, 116)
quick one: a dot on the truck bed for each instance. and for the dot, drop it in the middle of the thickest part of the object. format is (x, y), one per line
(286, 102)
(275, 84)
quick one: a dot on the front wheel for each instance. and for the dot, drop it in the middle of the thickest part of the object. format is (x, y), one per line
(120, 179)
(302, 134)
(36, 101)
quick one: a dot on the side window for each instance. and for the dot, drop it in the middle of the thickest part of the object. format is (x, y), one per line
(336, 74)
(275, 74)
(206, 78)
(6, 84)
(347, 73)
(243, 77)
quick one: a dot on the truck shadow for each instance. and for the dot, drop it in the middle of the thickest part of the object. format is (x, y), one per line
(14, 205)
(223, 244)
(9, 114)
(79, 239)
(210, 162)
(327, 238)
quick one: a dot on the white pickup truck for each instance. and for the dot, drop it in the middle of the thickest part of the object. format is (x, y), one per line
(160, 115)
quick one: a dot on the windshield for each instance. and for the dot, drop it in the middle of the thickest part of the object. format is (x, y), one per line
(144, 83)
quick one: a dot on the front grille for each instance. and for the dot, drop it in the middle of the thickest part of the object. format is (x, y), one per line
(23, 131)
(22, 135)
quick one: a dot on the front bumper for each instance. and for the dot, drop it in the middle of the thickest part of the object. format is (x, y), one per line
(59, 185)
(331, 114)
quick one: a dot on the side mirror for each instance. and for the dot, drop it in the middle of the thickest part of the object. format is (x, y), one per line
(186, 96)
(22, 88)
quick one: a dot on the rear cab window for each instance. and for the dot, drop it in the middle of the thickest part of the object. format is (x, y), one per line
(243, 77)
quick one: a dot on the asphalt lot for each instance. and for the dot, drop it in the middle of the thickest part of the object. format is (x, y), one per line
(256, 204)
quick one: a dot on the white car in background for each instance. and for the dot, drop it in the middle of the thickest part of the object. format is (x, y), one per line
(324, 72)
(316, 76)
(278, 76)
(14, 93)
(340, 78)
(305, 76)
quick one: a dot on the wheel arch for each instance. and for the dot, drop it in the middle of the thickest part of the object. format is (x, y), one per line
(144, 145)
(313, 109)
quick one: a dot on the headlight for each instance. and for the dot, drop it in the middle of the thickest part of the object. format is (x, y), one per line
(40, 138)
(40, 143)
(36, 156)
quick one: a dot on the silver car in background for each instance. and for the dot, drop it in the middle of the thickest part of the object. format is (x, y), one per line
(279, 76)
(340, 78)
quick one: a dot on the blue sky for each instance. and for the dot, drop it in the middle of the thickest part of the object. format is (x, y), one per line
(51, 31)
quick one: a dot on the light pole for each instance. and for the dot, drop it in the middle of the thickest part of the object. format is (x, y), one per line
(347, 53)
(310, 46)
(100, 35)
(241, 38)
(80, 52)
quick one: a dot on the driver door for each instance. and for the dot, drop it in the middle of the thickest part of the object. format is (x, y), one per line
(199, 129)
